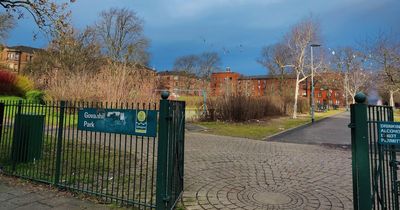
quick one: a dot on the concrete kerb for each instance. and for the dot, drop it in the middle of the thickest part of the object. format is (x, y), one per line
(274, 137)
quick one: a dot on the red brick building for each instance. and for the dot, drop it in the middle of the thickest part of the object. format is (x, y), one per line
(18, 57)
(327, 87)
(224, 83)
(179, 84)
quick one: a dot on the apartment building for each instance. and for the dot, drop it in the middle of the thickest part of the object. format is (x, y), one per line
(327, 87)
(17, 57)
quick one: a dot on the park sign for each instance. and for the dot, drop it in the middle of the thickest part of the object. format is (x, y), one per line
(120, 121)
(389, 133)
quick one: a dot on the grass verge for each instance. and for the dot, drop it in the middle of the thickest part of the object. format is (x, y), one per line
(10, 98)
(397, 115)
(263, 128)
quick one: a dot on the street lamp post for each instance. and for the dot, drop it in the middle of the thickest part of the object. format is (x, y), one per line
(312, 81)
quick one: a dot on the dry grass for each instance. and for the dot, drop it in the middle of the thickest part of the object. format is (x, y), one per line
(113, 82)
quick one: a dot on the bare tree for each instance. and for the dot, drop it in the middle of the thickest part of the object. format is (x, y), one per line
(275, 58)
(346, 61)
(209, 62)
(386, 54)
(202, 65)
(6, 23)
(47, 14)
(188, 64)
(298, 42)
(70, 53)
(121, 32)
(359, 80)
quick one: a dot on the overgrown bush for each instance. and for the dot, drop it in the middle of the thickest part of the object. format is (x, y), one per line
(241, 108)
(13, 84)
(23, 85)
(113, 82)
(7, 83)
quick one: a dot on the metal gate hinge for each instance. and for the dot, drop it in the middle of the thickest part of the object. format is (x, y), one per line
(351, 125)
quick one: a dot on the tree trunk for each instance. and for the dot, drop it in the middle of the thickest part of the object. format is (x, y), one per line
(352, 97)
(296, 96)
(391, 102)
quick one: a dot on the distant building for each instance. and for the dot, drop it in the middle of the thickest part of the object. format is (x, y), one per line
(17, 57)
(328, 89)
(179, 83)
(224, 83)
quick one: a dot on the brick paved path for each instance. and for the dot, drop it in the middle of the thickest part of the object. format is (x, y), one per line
(234, 173)
(20, 195)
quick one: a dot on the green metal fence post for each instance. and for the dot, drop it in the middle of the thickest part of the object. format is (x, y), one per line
(17, 121)
(59, 143)
(162, 197)
(1, 119)
(360, 154)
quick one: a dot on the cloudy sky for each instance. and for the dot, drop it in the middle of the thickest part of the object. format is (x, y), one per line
(237, 29)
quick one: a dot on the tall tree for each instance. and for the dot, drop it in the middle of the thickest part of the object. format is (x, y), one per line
(276, 58)
(71, 53)
(346, 61)
(209, 62)
(202, 65)
(6, 24)
(187, 64)
(385, 51)
(48, 15)
(121, 32)
(298, 41)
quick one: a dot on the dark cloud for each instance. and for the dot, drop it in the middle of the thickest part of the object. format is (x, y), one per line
(179, 27)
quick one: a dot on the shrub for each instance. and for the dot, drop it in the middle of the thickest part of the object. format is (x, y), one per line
(114, 82)
(241, 108)
(35, 96)
(23, 85)
(13, 84)
(7, 83)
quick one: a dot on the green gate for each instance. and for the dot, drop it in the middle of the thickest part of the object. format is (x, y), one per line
(374, 166)
(45, 143)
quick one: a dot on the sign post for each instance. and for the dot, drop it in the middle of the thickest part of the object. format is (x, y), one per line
(121, 121)
(389, 133)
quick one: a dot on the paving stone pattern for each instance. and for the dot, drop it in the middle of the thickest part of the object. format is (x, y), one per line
(233, 173)
(19, 195)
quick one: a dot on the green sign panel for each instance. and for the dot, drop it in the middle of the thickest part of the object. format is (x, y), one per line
(389, 133)
(121, 121)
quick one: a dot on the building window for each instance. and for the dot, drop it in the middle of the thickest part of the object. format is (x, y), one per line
(319, 95)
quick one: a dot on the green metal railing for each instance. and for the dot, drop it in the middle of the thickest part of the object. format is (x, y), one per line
(170, 153)
(43, 143)
(375, 178)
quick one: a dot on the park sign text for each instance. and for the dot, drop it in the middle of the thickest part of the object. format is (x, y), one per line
(389, 133)
(120, 121)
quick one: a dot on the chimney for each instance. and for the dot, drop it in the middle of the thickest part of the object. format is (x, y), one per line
(228, 69)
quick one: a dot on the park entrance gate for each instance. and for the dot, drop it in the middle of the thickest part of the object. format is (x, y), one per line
(374, 165)
(50, 143)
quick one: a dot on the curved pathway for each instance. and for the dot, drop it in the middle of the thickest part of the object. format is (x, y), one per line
(234, 173)
(332, 131)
